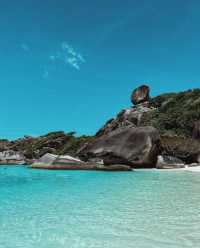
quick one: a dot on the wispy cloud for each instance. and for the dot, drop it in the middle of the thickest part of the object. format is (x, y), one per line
(72, 57)
(66, 55)
(73, 62)
(24, 47)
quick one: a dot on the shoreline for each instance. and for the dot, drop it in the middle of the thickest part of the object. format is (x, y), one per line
(112, 169)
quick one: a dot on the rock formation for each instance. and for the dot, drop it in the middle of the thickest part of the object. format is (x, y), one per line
(11, 157)
(140, 95)
(134, 116)
(137, 147)
(169, 162)
(56, 162)
(171, 114)
(174, 115)
(185, 149)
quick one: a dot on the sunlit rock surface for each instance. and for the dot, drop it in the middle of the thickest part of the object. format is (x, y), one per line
(11, 157)
(137, 147)
(56, 162)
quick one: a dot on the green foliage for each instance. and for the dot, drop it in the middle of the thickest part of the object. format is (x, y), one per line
(180, 147)
(55, 142)
(74, 144)
(177, 113)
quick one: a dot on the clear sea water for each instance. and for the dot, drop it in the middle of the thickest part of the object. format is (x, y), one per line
(72, 209)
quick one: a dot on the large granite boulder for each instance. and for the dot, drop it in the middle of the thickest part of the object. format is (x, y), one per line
(140, 95)
(137, 147)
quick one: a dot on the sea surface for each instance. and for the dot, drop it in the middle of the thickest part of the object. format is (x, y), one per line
(81, 209)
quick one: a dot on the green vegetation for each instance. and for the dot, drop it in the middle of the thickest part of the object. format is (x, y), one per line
(176, 113)
(186, 149)
(173, 114)
(54, 142)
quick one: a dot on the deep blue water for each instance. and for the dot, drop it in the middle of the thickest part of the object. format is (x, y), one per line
(61, 209)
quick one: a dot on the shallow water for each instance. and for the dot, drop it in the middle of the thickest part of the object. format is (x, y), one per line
(60, 209)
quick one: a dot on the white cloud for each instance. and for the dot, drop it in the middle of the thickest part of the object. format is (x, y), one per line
(72, 57)
(69, 56)
(71, 51)
(80, 57)
(73, 62)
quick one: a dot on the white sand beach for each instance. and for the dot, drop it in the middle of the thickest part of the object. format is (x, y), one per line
(193, 169)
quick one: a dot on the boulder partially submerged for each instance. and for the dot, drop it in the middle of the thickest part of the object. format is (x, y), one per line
(56, 162)
(137, 147)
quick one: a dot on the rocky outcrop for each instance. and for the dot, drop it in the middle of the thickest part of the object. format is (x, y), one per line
(172, 115)
(137, 147)
(135, 116)
(11, 157)
(130, 137)
(140, 95)
(185, 149)
(56, 162)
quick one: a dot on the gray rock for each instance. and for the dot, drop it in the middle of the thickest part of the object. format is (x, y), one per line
(56, 162)
(196, 130)
(193, 165)
(11, 157)
(198, 159)
(186, 149)
(52, 158)
(137, 147)
(132, 117)
(169, 162)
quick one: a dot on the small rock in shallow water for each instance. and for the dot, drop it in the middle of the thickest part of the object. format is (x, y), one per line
(169, 162)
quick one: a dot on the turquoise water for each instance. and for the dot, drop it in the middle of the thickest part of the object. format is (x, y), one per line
(72, 209)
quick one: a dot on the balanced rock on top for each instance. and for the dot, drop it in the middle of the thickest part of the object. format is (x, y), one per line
(140, 95)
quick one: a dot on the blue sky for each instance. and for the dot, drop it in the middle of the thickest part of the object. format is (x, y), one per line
(71, 65)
